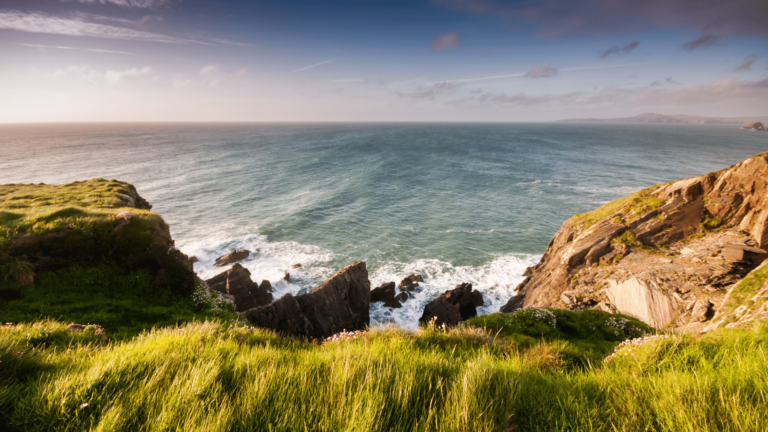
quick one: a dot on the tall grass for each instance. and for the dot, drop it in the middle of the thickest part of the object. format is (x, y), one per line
(208, 376)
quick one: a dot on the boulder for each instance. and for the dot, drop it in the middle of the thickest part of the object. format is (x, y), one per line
(232, 257)
(643, 300)
(385, 293)
(451, 307)
(702, 311)
(342, 303)
(237, 282)
(755, 125)
(411, 282)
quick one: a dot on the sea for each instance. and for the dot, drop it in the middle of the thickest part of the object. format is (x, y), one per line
(452, 202)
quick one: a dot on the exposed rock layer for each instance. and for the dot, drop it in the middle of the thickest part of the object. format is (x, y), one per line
(232, 257)
(679, 244)
(340, 303)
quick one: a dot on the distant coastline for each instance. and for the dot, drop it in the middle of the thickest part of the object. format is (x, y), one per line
(671, 119)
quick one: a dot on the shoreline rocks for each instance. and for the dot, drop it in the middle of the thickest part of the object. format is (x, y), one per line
(237, 282)
(386, 293)
(232, 257)
(341, 303)
(453, 306)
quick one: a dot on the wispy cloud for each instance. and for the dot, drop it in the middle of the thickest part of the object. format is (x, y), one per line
(44, 47)
(140, 4)
(429, 93)
(181, 81)
(625, 49)
(704, 41)
(39, 22)
(95, 76)
(445, 41)
(314, 65)
(209, 70)
(542, 72)
(352, 80)
(747, 65)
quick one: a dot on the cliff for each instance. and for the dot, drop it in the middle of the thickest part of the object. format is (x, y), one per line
(671, 255)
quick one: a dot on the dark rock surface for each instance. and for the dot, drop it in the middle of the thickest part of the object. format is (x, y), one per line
(386, 293)
(237, 283)
(411, 282)
(340, 303)
(232, 257)
(454, 306)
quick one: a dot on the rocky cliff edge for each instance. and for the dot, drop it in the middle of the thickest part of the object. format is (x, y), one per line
(682, 255)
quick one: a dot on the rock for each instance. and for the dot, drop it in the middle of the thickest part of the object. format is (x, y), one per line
(385, 293)
(266, 286)
(742, 252)
(755, 125)
(687, 251)
(402, 297)
(237, 283)
(232, 257)
(701, 311)
(411, 282)
(287, 277)
(193, 259)
(643, 300)
(463, 301)
(342, 303)
(297, 265)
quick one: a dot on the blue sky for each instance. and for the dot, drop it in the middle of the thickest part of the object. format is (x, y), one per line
(431, 60)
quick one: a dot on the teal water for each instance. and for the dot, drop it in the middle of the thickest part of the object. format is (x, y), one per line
(455, 202)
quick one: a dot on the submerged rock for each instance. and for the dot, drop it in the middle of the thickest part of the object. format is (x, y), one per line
(454, 306)
(232, 257)
(237, 283)
(342, 303)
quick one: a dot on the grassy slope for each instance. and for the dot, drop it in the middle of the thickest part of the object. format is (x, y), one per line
(212, 377)
(95, 267)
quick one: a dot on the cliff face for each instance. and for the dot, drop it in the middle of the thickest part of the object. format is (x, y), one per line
(668, 254)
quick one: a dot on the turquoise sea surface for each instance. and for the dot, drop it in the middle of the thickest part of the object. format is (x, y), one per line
(456, 203)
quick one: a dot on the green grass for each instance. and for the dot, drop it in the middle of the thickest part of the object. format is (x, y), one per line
(213, 377)
(585, 336)
(631, 207)
(40, 209)
(123, 302)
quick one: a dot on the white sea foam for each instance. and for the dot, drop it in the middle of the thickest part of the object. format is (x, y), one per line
(496, 279)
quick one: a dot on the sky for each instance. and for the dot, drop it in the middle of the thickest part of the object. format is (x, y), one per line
(369, 60)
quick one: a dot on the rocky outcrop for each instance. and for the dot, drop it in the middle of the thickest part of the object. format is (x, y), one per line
(675, 245)
(755, 125)
(386, 293)
(232, 257)
(411, 282)
(237, 283)
(454, 306)
(340, 303)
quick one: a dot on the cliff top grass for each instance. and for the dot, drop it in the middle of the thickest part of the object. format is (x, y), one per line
(631, 207)
(40, 209)
(210, 376)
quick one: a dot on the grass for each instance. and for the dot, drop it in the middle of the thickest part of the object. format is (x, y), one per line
(631, 207)
(209, 376)
(40, 209)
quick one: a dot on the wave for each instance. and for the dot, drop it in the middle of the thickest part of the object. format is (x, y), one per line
(495, 279)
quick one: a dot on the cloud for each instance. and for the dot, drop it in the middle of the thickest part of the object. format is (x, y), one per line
(747, 65)
(615, 50)
(715, 93)
(431, 92)
(209, 70)
(557, 18)
(86, 73)
(39, 22)
(241, 73)
(180, 81)
(115, 77)
(445, 41)
(314, 65)
(139, 4)
(542, 72)
(704, 41)
(44, 47)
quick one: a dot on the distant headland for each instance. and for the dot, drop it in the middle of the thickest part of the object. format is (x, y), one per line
(677, 118)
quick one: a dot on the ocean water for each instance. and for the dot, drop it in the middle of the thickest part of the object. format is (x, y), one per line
(456, 203)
